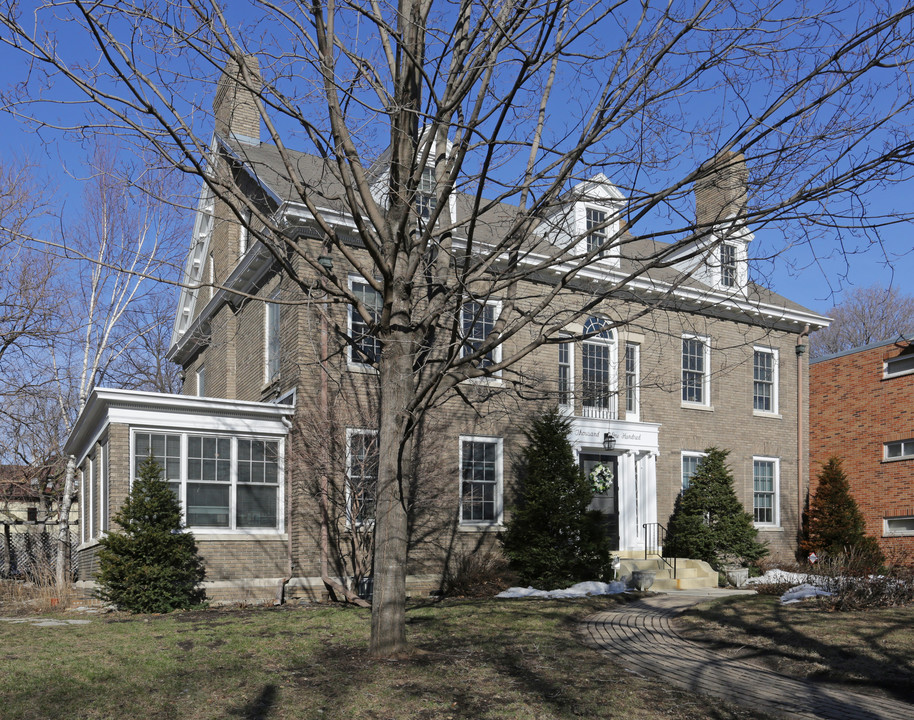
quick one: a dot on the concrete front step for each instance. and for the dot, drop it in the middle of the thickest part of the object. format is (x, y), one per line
(690, 574)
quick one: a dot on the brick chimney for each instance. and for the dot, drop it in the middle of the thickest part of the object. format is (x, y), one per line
(722, 193)
(234, 106)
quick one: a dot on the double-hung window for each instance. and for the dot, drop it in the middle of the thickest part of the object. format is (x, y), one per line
(695, 362)
(598, 387)
(223, 481)
(765, 380)
(365, 348)
(272, 343)
(426, 197)
(480, 480)
(728, 265)
(596, 230)
(361, 475)
(632, 380)
(690, 462)
(765, 482)
(478, 321)
(566, 374)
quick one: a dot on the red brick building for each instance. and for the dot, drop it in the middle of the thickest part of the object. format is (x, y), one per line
(861, 408)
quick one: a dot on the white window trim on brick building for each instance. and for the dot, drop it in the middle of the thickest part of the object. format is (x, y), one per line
(470, 318)
(774, 493)
(693, 457)
(354, 323)
(565, 351)
(898, 450)
(898, 526)
(351, 469)
(704, 373)
(631, 372)
(772, 384)
(497, 483)
(898, 366)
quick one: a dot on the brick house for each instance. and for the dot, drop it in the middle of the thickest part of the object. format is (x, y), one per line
(862, 410)
(270, 446)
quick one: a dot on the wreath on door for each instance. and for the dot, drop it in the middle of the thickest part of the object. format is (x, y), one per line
(601, 479)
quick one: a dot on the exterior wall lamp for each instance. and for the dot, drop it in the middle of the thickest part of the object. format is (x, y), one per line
(609, 441)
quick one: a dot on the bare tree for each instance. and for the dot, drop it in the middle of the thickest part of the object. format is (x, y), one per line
(511, 105)
(865, 315)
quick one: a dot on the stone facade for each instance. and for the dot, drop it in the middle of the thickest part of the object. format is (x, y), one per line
(861, 410)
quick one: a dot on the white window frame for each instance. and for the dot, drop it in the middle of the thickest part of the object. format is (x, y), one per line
(775, 380)
(887, 530)
(233, 483)
(568, 344)
(352, 521)
(200, 376)
(905, 450)
(705, 373)
(690, 454)
(272, 337)
(905, 358)
(465, 350)
(426, 194)
(776, 492)
(596, 229)
(729, 270)
(92, 493)
(611, 412)
(634, 388)
(498, 518)
(352, 361)
(103, 491)
(83, 516)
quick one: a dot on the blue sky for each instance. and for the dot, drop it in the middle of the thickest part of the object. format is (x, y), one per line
(812, 275)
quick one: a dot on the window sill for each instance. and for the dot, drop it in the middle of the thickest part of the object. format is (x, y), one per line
(769, 415)
(897, 534)
(761, 527)
(225, 535)
(898, 459)
(493, 380)
(696, 406)
(361, 368)
(480, 527)
(903, 373)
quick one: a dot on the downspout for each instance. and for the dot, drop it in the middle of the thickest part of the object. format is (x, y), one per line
(801, 348)
(281, 591)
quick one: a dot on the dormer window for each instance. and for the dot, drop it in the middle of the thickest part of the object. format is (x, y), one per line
(425, 194)
(596, 230)
(728, 265)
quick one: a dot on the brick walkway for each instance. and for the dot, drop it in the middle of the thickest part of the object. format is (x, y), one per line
(641, 637)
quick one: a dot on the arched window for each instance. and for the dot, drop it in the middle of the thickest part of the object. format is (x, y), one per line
(598, 361)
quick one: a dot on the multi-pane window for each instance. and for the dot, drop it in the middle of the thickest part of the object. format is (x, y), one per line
(764, 381)
(632, 380)
(566, 375)
(480, 480)
(478, 320)
(899, 450)
(596, 229)
(694, 370)
(727, 265)
(690, 462)
(366, 348)
(222, 481)
(765, 491)
(597, 386)
(426, 197)
(272, 340)
(362, 471)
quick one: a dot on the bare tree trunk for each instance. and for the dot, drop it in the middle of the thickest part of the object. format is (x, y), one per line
(388, 610)
(63, 525)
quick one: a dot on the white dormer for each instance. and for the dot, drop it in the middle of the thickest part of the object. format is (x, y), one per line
(720, 261)
(588, 220)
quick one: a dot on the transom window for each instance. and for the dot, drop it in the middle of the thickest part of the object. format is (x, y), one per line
(366, 348)
(480, 480)
(899, 450)
(695, 370)
(765, 491)
(222, 481)
(728, 265)
(764, 381)
(362, 476)
(596, 229)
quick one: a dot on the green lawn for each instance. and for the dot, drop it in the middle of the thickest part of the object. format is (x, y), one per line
(868, 651)
(472, 659)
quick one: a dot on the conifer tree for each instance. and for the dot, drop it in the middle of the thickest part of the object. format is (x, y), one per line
(552, 540)
(709, 522)
(834, 524)
(151, 564)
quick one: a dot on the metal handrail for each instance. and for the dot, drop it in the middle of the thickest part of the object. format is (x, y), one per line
(654, 538)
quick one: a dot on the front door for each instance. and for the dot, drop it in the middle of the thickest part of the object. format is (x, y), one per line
(608, 502)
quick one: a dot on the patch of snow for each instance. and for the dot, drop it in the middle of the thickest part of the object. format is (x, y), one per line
(782, 576)
(801, 592)
(575, 591)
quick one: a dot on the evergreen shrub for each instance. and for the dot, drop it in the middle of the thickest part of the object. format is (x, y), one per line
(834, 524)
(709, 522)
(151, 564)
(552, 540)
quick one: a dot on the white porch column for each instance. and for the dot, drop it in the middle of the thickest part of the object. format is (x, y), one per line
(648, 476)
(630, 502)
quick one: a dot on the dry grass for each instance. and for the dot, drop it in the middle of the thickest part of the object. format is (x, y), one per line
(867, 651)
(479, 659)
(36, 593)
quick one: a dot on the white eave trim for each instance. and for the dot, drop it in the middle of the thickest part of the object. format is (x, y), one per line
(179, 412)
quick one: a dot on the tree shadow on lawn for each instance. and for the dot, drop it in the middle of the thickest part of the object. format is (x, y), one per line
(260, 707)
(783, 639)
